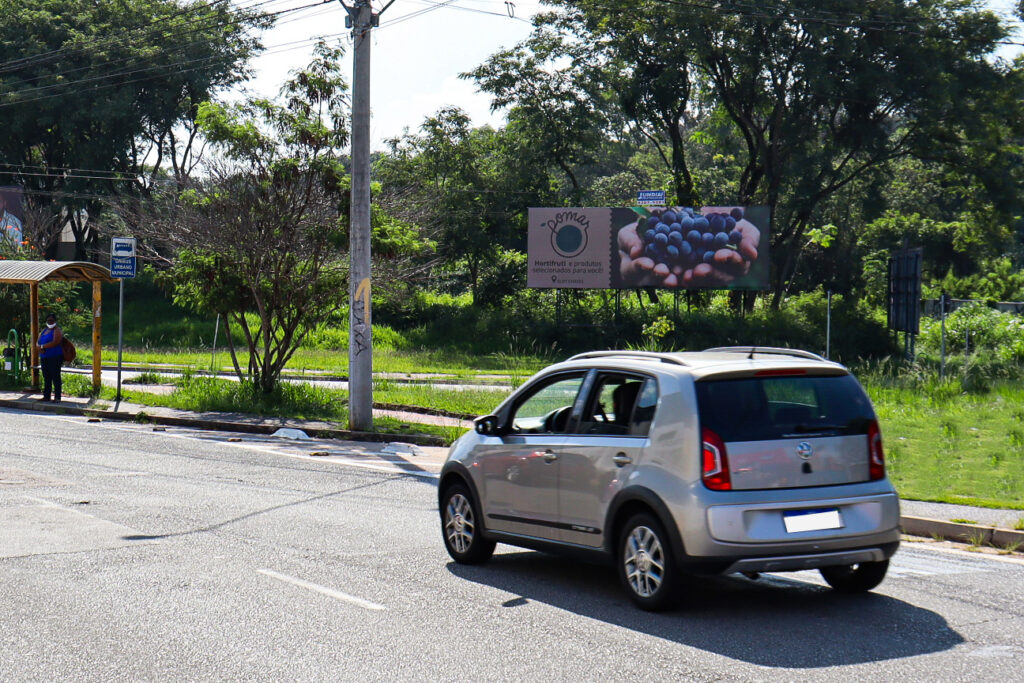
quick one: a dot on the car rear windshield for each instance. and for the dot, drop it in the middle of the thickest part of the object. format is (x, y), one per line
(765, 408)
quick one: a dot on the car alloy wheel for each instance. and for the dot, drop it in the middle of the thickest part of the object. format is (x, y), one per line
(458, 523)
(646, 566)
(645, 562)
(463, 537)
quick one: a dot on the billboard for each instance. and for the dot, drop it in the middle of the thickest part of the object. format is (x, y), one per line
(713, 247)
(12, 217)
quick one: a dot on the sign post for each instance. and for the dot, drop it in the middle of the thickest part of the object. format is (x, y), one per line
(122, 265)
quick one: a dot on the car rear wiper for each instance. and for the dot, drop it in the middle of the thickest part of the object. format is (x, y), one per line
(806, 428)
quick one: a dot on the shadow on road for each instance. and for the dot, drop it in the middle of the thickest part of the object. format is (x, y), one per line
(768, 622)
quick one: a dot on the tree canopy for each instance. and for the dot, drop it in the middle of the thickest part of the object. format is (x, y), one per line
(100, 98)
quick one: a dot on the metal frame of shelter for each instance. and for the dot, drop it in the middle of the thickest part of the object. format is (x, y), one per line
(31, 273)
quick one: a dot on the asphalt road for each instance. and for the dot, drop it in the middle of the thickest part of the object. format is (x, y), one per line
(129, 554)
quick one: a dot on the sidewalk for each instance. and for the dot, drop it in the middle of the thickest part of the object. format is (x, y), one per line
(919, 518)
(232, 422)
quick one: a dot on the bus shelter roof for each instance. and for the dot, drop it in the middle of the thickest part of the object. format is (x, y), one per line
(29, 272)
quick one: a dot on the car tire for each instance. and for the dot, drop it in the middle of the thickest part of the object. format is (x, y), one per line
(647, 569)
(460, 526)
(855, 578)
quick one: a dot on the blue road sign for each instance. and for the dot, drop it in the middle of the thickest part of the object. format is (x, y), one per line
(122, 257)
(650, 198)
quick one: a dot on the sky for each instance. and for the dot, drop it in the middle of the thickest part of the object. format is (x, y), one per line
(418, 53)
(415, 58)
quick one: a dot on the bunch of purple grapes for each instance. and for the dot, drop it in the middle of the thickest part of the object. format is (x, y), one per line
(685, 238)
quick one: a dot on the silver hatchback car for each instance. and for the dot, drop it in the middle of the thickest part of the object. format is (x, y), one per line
(739, 459)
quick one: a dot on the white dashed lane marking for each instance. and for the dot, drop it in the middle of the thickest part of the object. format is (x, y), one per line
(323, 590)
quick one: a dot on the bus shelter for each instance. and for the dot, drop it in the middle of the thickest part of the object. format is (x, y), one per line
(31, 273)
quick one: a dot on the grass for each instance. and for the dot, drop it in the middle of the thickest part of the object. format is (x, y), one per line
(942, 443)
(299, 401)
(1019, 524)
(948, 446)
(511, 369)
(463, 401)
(963, 521)
(975, 540)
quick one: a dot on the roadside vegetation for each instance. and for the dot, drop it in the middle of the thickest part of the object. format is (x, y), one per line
(959, 440)
(883, 143)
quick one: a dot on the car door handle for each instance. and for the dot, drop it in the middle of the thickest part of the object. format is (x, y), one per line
(621, 459)
(550, 456)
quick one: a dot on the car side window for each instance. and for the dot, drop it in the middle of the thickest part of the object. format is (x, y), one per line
(612, 405)
(646, 404)
(547, 410)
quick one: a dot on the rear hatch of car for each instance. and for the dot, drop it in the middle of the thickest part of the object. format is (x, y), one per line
(788, 429)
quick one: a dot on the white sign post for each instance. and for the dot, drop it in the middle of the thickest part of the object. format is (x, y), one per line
(122, 265)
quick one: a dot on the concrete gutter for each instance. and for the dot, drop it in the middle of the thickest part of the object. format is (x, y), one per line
(975, 534)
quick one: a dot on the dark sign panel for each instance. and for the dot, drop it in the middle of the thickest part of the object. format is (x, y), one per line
(905, 290)
(714, 247)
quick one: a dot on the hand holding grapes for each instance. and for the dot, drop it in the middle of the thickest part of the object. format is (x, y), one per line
(638, 269)
(726, 265)
(680, 247)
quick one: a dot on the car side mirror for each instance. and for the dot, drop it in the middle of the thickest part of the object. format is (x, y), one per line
(487, 425)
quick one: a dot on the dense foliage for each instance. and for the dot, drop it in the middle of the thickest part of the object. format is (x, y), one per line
(100, 98)
(865, 128)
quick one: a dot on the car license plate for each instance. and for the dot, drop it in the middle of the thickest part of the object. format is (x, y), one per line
(812, 520)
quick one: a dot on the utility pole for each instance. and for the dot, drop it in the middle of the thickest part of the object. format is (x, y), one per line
(361, 19)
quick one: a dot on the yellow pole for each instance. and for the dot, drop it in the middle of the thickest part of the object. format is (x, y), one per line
(33, 304)
(97, 319)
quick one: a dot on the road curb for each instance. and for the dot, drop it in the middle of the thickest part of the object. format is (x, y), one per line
(420, 410)
(221, 426)
(975, 534)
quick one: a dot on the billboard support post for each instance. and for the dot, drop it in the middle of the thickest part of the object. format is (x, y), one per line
(828, 327)
(942, 353)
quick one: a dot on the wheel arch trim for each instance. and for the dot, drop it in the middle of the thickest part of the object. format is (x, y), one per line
(651, 500)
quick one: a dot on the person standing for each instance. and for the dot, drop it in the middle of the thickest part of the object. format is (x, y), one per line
(51, 357)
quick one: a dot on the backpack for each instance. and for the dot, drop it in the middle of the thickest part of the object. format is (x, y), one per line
(69, 350)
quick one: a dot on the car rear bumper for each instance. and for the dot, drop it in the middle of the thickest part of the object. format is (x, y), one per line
(814, 561)
(766, 522)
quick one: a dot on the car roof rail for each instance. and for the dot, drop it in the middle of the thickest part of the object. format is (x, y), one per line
(649, 355)
(774, 350)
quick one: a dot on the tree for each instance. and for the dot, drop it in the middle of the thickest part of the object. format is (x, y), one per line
(96, 95)
(554, 117)
(819, 94)
(260, 240)
(447, 180)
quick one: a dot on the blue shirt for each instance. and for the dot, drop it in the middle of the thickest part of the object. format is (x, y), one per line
(45, 338)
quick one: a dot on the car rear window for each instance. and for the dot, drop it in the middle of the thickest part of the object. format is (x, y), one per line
(766, 408)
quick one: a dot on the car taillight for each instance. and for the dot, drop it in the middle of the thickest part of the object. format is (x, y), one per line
(714, 462)
(876, 457)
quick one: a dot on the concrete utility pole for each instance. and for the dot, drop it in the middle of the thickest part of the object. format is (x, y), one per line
(361, 19)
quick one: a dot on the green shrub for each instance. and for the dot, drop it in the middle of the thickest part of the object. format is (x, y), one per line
(987, 328)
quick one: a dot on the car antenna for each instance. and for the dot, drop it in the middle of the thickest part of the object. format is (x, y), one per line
(751, 356)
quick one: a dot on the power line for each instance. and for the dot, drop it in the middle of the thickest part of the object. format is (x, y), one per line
(449, 4)
(199, 63)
